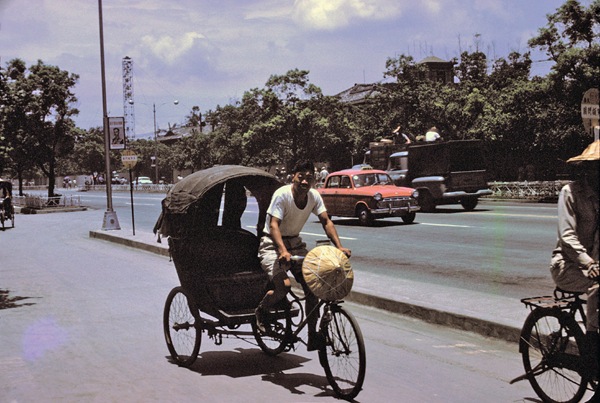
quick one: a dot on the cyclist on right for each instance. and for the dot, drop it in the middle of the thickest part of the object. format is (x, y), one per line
(574, 262)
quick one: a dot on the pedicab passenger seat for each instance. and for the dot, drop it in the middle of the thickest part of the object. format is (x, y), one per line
(220, 268)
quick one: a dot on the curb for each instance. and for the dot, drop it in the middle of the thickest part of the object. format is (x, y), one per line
(437, 317)
(431, 315)
(158, 249)
(49, 210)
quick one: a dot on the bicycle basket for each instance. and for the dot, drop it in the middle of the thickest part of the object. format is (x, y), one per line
(328, 273)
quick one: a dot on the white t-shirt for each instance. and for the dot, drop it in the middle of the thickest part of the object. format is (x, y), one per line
(292, 218)
(432, 136)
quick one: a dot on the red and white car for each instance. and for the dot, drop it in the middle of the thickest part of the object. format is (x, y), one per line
(368, 194)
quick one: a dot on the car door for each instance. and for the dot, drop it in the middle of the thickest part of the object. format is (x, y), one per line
(329, 193)
(345, 197)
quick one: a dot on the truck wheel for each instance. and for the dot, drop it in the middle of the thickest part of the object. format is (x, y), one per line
(426, 201)
(469, 204)
(364, 216)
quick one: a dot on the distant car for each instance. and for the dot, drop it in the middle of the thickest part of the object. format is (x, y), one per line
(143, 180)
(368, 194)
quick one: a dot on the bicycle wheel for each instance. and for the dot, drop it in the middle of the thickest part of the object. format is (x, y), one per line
(275, 340)
(182, 333)
(343, 356)
(551, 345)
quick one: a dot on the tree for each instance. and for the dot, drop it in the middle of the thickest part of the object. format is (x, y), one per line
(571, 39)
(38, 117)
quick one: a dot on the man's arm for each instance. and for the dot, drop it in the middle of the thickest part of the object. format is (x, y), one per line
(275, 233)
(331, 232)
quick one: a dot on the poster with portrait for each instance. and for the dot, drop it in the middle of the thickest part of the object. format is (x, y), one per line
(116, 133)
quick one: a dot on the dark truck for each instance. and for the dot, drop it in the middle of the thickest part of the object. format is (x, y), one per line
(448, 172)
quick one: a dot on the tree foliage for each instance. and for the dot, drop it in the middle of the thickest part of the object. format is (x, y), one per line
(37, 117)
(523, 120)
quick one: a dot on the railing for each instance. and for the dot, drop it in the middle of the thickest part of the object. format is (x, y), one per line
(539, 191)
(39, 202)
(161, 188)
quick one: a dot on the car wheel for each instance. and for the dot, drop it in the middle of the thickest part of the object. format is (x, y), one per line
(364, 216)
(409, 218)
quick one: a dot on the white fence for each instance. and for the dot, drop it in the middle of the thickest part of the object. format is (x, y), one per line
(543, 190)
(39, 202)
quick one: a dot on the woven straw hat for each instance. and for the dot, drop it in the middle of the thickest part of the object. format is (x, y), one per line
(591, 153)
(327, 272)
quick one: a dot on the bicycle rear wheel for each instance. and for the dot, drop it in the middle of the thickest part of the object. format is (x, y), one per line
(343, 357)
(551, 346)
(182, 333)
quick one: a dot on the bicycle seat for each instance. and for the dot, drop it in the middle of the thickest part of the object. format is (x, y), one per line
(560, 293)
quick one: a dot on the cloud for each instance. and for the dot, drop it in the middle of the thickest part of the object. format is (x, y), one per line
(169, 49)
(332, 14)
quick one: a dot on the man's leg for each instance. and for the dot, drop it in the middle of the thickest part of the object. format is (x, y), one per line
(279, 280)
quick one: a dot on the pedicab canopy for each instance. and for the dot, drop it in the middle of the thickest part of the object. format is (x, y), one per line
(193, 204)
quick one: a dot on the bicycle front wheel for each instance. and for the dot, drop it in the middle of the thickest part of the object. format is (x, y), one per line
(551, 345)
(343, 356)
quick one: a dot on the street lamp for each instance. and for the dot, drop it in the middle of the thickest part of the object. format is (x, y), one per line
(154, 158)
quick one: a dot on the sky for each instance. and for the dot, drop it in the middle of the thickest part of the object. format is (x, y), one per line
(210, 52)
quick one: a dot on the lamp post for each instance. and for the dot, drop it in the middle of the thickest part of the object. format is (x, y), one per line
(154, 158)
(110, 216)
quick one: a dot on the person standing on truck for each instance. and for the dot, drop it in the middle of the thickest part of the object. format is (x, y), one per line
(574, 264)
(433, 134)
(397, 134)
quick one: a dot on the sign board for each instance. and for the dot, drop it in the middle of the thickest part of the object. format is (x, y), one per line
(116, 130)
(129, 159)
(590, 112)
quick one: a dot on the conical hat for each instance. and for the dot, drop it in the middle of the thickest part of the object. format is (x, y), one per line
(591, 153)
(328, 273)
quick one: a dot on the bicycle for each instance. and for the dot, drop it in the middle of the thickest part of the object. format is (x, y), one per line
(343, 355)
(555, 352)
(222, 282)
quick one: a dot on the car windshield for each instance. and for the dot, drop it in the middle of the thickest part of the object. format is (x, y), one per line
(371, 179)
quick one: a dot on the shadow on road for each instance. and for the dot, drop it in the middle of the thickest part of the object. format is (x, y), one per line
(243, 362)
(11, 302)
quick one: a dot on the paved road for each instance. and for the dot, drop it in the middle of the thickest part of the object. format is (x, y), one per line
(501, 248)
(94, 333)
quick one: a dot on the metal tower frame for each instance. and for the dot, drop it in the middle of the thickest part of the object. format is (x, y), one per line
(128, 102)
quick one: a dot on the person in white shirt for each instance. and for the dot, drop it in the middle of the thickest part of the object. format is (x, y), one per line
(433, 134)
(290, 208)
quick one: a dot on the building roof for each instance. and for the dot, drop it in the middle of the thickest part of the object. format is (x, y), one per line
(433, 59)
(359, 93)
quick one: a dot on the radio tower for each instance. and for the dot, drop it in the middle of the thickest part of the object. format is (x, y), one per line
(128, 105)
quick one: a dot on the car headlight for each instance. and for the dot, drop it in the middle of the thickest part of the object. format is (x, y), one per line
(378, 197)
(415, 194)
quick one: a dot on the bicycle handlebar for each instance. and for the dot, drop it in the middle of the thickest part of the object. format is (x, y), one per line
(297, 258)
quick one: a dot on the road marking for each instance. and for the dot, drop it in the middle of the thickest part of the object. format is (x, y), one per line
(341, 237)
(512, 215)
(312, 234)
(446, 225)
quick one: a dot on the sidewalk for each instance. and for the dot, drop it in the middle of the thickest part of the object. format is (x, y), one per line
(482, 313)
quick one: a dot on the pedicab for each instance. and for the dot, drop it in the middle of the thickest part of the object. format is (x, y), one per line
(222, 281)
(7, 210)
